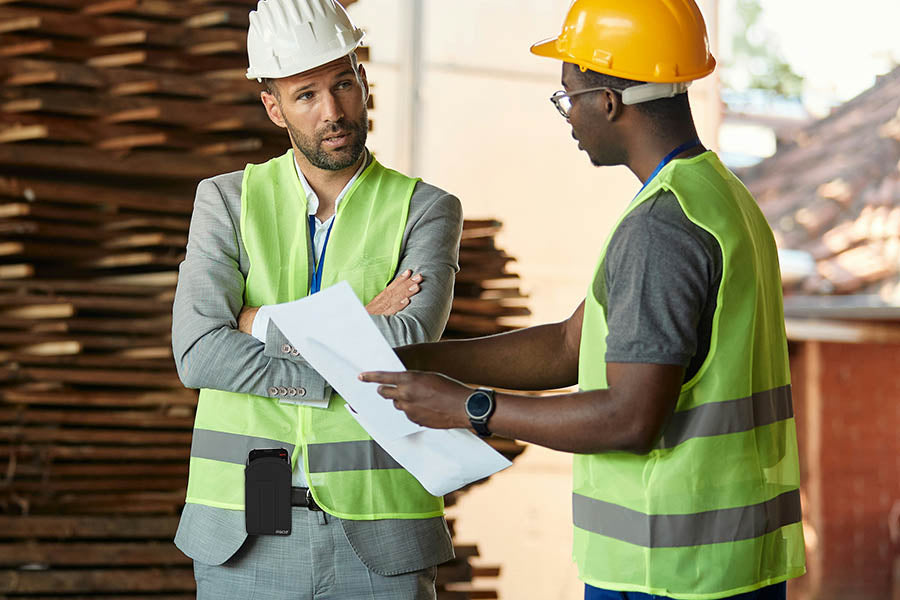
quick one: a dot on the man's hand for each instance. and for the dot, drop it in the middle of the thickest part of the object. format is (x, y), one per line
(429, 399)
(245, 319)
(395, 297)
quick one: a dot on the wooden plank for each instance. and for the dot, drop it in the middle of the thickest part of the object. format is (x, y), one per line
(12, 527)
(96, 580)
(80, 398)
(133, 469)
(132, 419)
(193, 41)
(161, 59)
(55, 348)
(82, 341)
(144, 163)
(101, 377)
(64, 24)
(160, 9)
(220, 18)
(19, 45)
(112, 486)
(97, 436)
(19, 271)
(86, 554)
(121, 81)
(60, 4)
(80, 193)
(85, 452)
(53, 231)
(41, 211)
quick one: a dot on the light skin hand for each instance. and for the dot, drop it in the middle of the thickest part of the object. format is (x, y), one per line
(394, 298)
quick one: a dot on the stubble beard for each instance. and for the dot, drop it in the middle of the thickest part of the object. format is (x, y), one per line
(332, 160)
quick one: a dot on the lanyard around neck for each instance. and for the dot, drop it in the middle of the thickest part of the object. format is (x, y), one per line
(318, 266)
(667, 159)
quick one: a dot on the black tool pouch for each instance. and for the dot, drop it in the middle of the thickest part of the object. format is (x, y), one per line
(267, 488)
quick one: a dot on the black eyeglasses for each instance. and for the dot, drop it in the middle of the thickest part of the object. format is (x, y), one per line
(562, 100)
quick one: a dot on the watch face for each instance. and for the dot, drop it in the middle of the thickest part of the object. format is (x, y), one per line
(478, 405)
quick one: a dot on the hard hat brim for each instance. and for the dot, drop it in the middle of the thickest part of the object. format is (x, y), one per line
(548, 49)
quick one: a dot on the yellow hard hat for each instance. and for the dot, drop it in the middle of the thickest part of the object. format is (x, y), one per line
(658, 41)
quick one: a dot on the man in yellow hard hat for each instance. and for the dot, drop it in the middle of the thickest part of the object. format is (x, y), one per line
(686, 477)
(288, 498)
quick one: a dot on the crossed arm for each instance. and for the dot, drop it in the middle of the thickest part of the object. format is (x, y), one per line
(209, 348)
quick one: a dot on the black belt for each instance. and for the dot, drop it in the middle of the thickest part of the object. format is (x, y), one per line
(301, 496)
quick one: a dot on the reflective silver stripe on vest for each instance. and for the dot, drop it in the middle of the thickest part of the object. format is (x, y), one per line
(230, 447)
(731, 416)
(364, 455)
(669, 531)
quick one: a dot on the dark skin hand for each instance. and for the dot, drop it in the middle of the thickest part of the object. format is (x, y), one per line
(629, 416)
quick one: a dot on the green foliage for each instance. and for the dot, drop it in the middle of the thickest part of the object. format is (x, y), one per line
(757, 61)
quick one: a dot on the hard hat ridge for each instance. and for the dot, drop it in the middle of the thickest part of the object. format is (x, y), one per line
(287, 37)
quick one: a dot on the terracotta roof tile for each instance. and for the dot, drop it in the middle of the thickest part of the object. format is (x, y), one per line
(834, 190)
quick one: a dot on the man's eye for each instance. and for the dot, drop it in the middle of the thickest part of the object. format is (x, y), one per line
(305, 96)
(344, 85)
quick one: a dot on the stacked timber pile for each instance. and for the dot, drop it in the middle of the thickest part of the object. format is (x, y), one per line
(110, 112)
(487, 298)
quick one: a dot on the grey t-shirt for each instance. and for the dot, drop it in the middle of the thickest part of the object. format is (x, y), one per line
(660, 280)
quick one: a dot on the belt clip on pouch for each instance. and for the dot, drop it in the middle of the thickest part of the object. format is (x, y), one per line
(267, 489)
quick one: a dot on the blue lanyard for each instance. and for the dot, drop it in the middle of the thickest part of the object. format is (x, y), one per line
(316, 283)
(668, 158)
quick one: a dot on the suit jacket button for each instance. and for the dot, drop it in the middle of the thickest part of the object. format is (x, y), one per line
(273, 391)
(301, 391)
(295, 352)
(292, 391)
(282, 391)
(286, 348)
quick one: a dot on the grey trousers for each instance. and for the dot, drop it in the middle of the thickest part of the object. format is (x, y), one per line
(315, 562)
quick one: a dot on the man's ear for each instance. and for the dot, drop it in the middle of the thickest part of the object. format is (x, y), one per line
(610, 104)
(363, 80)
(272, 108)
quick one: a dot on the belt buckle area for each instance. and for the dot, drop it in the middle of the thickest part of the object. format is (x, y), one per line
(310, 501)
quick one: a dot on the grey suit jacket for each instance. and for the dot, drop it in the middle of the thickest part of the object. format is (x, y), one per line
(210, 352)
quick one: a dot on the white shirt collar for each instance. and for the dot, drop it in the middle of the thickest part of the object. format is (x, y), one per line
(312, 200)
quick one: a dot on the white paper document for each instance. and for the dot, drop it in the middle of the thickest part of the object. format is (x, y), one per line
(336, 335)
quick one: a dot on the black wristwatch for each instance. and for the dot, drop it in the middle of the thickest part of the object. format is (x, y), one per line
(480, 406)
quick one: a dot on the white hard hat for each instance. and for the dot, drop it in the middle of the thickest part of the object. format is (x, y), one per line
(287, 37)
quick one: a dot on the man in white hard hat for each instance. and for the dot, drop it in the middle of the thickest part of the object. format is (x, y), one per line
(360, 525)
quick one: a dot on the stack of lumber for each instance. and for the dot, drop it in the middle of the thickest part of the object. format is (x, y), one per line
(110, 112)
(487, 298)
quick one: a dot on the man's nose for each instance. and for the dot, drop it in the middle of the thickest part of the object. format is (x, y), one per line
(331, 108)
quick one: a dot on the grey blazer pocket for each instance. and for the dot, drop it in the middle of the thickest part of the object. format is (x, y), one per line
(395, 546)
(210, 535)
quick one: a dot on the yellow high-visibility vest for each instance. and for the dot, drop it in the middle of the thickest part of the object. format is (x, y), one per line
(349, 474)
(714, 510)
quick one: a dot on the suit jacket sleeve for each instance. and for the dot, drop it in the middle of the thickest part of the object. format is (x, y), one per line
(209, 350)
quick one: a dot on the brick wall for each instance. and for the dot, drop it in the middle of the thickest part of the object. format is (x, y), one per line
(847, 406)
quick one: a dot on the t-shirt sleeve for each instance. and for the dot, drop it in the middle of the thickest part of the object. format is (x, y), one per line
(659, 277)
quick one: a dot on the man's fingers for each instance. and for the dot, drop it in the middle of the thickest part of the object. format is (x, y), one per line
(390, 392)
(389, 377)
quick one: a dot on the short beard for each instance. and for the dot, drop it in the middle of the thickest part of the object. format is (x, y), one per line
(311, 147)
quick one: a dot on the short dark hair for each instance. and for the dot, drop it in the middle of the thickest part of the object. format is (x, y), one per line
(661, 111)
(271, 87)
